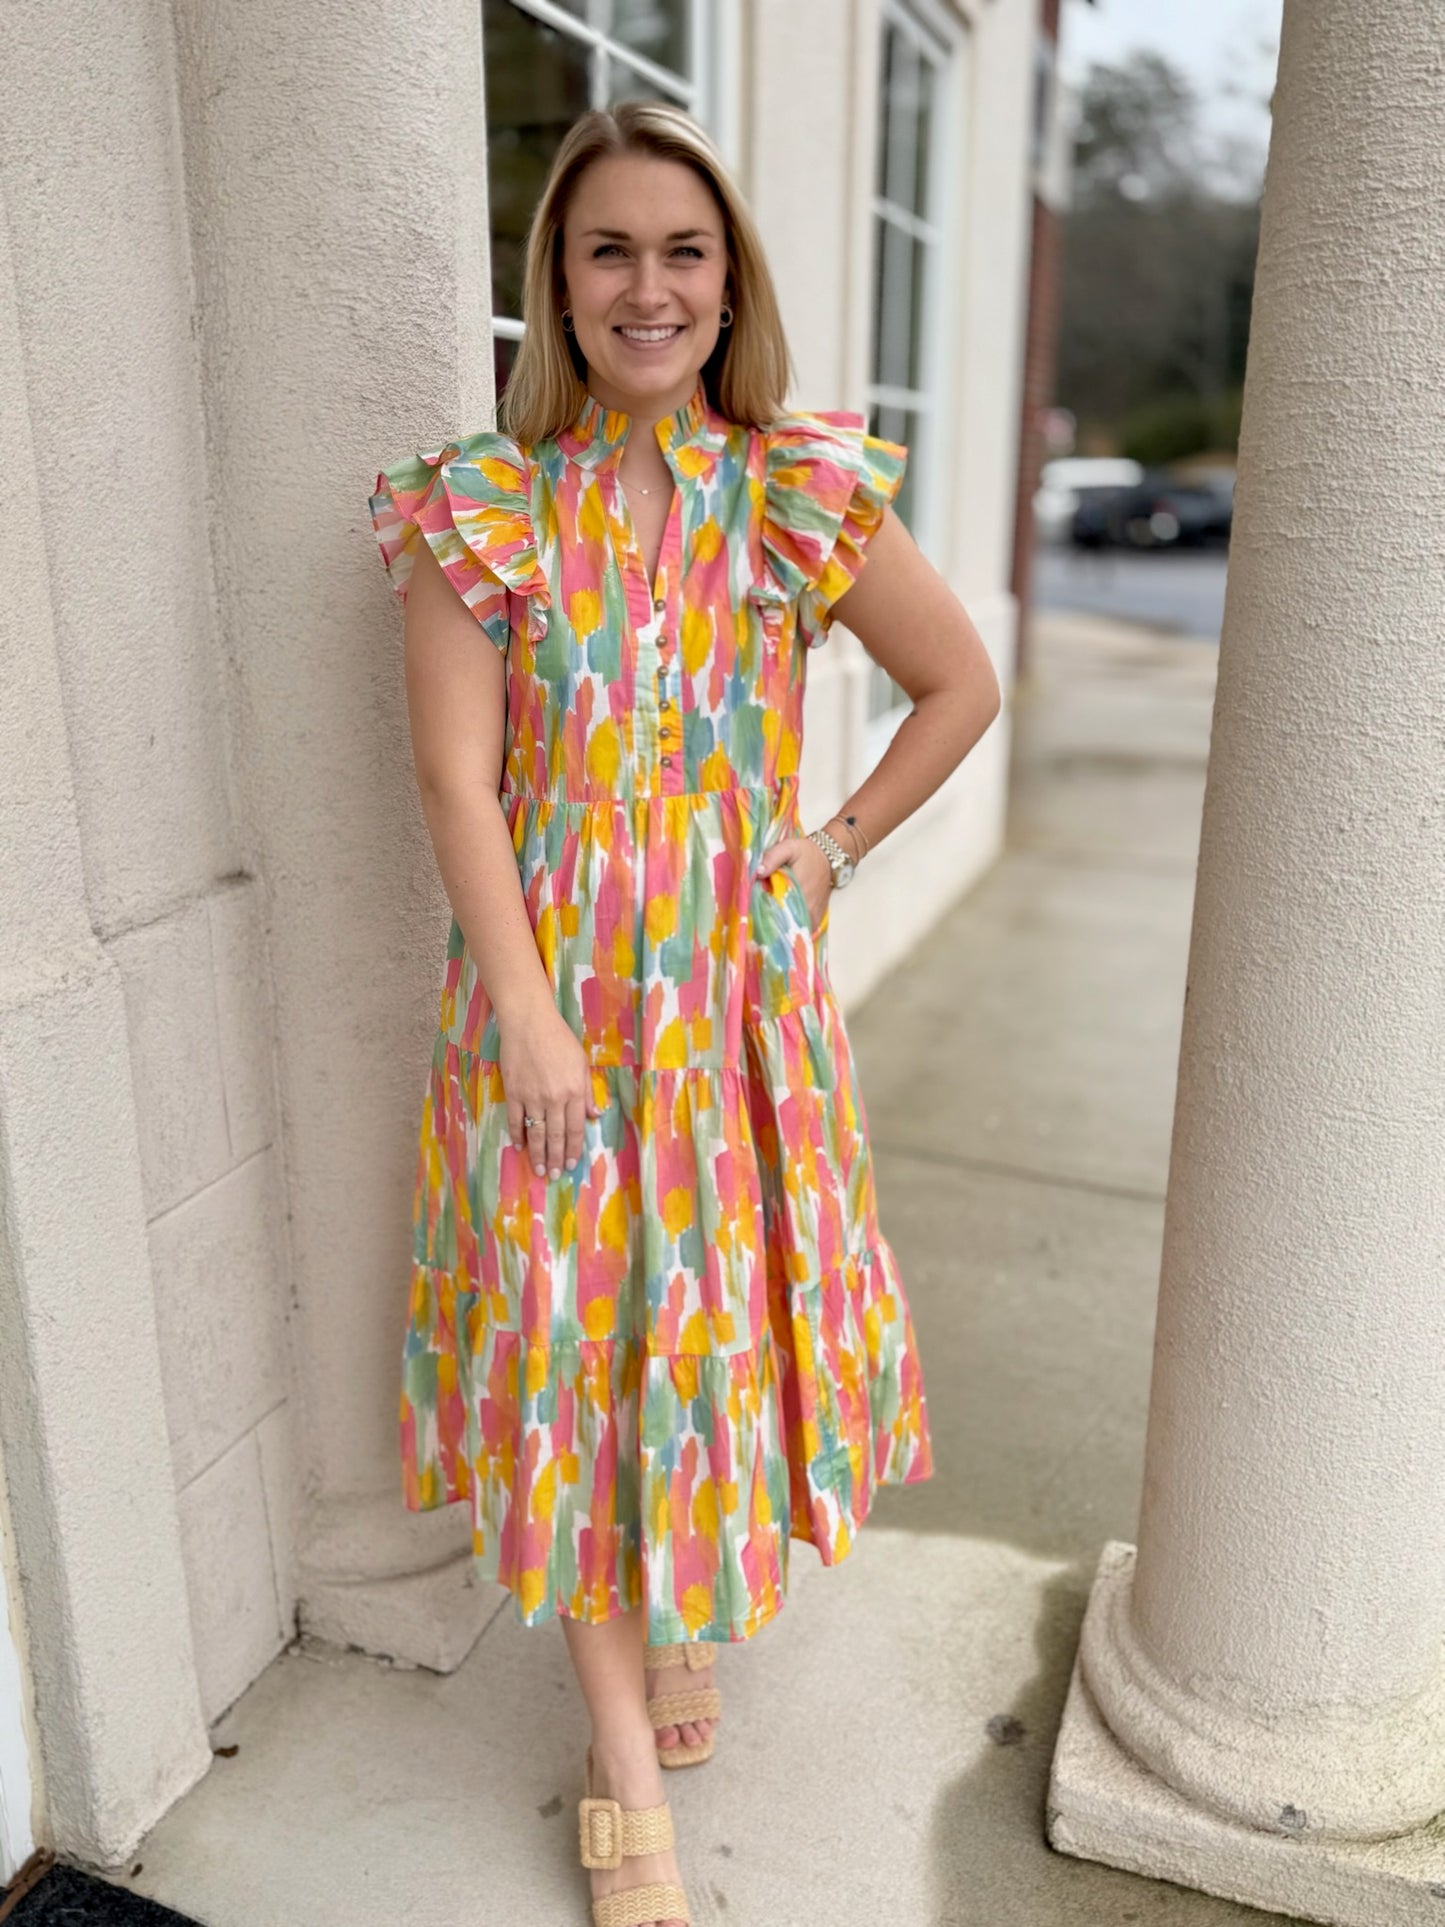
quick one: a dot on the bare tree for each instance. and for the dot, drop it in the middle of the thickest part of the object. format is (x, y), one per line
(1159, 249)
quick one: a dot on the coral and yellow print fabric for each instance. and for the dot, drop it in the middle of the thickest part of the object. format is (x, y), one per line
(648, 1375)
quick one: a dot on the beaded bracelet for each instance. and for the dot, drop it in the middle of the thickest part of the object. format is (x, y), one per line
(855, 830)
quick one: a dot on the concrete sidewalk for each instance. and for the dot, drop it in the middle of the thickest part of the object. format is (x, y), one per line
(885, 1749)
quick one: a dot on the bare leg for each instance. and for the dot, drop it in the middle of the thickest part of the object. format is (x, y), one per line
(608, 1663)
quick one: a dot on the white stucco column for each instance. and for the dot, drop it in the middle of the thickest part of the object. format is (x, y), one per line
(337, 175)
(99, 1605)
(1261, 1692)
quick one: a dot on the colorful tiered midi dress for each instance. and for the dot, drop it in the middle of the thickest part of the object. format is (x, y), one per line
(646, 1376)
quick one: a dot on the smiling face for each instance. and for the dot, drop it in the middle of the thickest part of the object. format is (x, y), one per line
(645, 273)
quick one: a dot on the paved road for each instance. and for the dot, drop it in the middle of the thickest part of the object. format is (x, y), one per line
(1182, 590)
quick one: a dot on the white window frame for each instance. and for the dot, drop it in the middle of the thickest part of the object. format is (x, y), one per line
(705, 93)
(941, 39)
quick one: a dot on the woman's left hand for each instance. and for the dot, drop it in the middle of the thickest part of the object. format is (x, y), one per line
(809, 865)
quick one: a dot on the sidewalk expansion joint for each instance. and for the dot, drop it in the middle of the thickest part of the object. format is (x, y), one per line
(1100, 860)
(1026, 1173)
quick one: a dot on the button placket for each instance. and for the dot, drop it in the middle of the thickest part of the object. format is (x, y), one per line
(666, 689)
(657, 725)
(669, 715)
(651, 749)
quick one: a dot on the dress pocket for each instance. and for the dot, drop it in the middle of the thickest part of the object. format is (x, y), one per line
(782, 949)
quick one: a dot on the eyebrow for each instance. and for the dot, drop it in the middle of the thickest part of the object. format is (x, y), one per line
(621, 234)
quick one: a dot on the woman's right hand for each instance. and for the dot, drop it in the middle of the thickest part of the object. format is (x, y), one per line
(546, 1076)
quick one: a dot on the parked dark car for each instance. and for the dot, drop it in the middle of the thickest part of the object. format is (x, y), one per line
(1161, 512)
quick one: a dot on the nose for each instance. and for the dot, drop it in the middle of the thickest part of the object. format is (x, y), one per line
(648, 291)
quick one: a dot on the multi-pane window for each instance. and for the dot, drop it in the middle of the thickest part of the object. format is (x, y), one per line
(909, 190)
(547, 61)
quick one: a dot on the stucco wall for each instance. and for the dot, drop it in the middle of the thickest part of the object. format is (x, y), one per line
(811, 179)
(101, 1590)
(338, 206)
(139, 1117)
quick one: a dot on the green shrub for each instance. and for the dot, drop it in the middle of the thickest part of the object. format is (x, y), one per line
(1163, 431)
(1178, 425)
(1226, 412)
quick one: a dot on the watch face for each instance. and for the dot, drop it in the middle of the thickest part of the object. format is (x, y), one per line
(842, 875)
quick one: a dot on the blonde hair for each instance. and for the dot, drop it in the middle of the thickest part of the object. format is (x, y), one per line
(746, 375)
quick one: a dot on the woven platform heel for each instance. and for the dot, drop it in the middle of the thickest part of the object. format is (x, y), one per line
(610, 1834)
(668, 1709)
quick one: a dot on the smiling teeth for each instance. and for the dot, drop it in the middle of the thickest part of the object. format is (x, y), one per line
(650, 334)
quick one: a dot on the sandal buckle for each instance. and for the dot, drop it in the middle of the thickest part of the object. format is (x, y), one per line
(601, 1830)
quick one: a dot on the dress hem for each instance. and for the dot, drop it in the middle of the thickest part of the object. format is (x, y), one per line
(671, 1629)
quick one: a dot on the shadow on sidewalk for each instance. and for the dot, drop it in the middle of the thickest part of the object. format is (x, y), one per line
(987, 1836)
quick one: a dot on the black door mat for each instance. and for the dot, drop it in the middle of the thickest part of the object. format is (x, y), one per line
(65, 1897)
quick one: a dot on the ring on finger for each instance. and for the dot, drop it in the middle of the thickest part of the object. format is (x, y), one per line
(530, 1121)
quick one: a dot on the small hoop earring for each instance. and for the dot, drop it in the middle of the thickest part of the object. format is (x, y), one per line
(725, 319)
(567, 324)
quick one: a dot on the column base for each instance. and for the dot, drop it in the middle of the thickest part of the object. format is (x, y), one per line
(390, 1582)
(1104, 1806)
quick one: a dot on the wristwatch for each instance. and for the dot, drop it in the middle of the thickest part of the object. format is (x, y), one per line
(839, 861)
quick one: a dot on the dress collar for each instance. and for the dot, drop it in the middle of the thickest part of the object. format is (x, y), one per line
(691, 438)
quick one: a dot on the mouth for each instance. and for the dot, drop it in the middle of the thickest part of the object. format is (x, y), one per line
(656, 336)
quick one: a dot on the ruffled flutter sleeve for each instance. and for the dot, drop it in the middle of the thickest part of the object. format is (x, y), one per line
(826, 485)
(470, 502)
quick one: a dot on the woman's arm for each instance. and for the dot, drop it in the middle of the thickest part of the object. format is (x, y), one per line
(909, 620)
(456, 692)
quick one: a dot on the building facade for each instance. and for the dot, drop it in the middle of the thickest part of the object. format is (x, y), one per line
(246, 255)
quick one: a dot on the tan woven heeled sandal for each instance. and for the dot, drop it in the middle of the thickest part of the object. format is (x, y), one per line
(668, 1709)
(610, 1834)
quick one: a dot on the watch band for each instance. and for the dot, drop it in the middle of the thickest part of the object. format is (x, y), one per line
(838, 857)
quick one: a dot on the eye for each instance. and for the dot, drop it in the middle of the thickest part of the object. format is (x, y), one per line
(688, 248)
(606, 247)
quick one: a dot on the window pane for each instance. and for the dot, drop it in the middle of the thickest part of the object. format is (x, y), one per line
(893, 322)
(625, 83)
(537, 85)
(927, 100)
(918, 295)
(657, 29)
(909, 431)
(504, 356)
(899, 108)
(894, 425)
(886, 58)
(899, 425)
(889, 423)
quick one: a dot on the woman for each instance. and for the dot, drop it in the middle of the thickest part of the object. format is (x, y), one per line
(655, 1332)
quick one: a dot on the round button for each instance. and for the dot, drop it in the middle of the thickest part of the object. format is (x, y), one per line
(667, 762)
(659, 603)
(666, 703)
